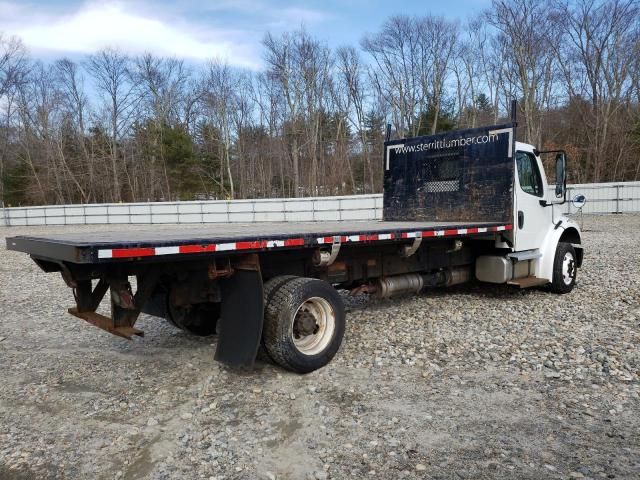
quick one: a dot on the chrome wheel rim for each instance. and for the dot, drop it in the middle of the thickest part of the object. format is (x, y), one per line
(313, 326)
(568, 268)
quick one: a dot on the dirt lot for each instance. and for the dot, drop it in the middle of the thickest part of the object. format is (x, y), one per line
(477, 382)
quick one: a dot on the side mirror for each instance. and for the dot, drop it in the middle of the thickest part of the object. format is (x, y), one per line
(561, 175)
(579, 201)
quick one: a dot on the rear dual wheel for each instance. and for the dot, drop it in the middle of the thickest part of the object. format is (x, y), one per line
(199, 319)
(304, 322)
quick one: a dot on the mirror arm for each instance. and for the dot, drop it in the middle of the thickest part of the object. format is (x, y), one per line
(544, 203)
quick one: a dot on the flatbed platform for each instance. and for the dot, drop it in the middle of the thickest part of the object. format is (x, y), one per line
(169, 240)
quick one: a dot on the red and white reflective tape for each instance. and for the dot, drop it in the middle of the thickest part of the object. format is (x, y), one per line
(289, 242)
(209, 248)
(416, 234)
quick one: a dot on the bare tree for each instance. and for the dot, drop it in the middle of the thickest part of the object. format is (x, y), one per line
(13, 71)
(597, 65)
(412, 61)
(401, 62)
(530, 55)
(161, 84)
(271, 108)
(283, 68)
(13, 63)
(352, 75)
(440, 39)
(110, 70)
(242, 125)
(221, 101)
(74, 100)
(315, 61)
(160, 90)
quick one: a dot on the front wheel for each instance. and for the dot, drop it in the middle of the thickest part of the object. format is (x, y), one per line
(565, 268)
(304, 324)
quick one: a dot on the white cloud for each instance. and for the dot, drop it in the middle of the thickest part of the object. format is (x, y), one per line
(270, 11)
(115, 24)
(305, 15)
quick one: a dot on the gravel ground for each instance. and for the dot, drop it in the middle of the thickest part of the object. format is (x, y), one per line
(477, 382)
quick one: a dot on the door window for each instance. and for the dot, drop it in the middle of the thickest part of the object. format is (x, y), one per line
(529, 174)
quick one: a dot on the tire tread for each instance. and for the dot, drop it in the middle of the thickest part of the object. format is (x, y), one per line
(269, 288)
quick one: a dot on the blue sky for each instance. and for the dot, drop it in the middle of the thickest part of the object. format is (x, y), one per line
(199, 30)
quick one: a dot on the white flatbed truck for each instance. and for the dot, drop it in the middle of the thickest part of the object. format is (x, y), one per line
(457, 205)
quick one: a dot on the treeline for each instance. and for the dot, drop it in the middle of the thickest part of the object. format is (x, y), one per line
(112, 127)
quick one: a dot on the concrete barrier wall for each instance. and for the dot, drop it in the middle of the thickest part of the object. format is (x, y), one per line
(358, 207)
(601, 198)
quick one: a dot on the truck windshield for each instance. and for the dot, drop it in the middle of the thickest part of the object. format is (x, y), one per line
(528, 174)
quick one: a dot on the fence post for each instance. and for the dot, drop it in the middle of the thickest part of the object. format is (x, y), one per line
(618, 199)
(5, 216)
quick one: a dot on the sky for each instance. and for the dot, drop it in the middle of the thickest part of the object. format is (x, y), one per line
(230, 30)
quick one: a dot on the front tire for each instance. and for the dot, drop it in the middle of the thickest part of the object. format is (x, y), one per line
(304, 324)
(565, 268)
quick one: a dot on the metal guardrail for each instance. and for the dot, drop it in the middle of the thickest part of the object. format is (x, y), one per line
(601, 198)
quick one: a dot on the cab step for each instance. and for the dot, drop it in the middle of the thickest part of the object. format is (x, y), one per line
(528, 282)
(525, 255)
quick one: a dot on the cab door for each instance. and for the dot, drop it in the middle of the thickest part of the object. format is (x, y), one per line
(532, 220)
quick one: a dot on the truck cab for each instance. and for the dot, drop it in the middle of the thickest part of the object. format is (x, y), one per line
(485, 175)
(539, 224)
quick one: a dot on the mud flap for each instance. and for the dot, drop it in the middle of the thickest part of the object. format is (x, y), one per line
(241, 318)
